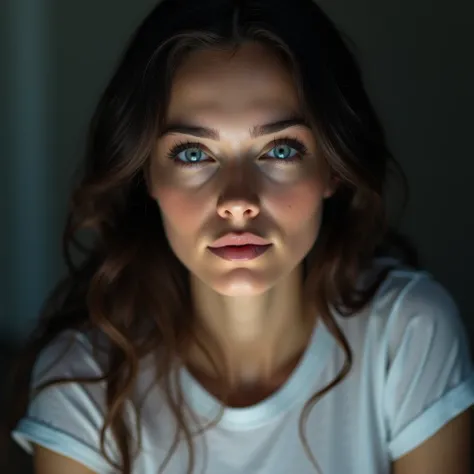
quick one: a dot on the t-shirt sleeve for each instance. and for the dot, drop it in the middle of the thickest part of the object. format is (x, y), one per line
(67, 418)
(430, 375)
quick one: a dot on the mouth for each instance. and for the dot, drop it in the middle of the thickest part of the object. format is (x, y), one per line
(240, 246)
(240, 252)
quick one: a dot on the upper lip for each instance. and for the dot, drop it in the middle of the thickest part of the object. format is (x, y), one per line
(239, 238)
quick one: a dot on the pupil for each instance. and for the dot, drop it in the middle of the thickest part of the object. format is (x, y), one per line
(281, 151)
(193, 155)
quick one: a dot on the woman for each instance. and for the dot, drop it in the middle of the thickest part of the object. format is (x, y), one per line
(231, 313)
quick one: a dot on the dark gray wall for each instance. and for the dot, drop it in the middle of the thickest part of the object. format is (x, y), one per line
(418, 61)
(55, 58)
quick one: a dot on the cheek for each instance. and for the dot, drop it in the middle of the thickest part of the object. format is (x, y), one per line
(298, 207)
(181, 212)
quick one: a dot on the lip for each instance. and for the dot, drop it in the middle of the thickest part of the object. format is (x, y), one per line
(239, 239)
(240, 252)
(239, 246)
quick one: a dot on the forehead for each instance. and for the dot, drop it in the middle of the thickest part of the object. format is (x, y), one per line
(252, 81)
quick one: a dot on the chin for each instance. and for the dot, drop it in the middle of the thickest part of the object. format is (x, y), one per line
(241, 282)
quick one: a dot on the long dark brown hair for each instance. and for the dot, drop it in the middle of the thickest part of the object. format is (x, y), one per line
(114, 242)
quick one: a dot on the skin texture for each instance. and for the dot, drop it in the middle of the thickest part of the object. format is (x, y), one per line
(448, 450)
(49, 462)
(252, 309)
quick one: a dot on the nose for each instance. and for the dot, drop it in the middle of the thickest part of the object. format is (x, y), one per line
(238, 210)
(238, 202)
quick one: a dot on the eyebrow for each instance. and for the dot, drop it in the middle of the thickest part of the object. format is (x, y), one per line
(213, 134)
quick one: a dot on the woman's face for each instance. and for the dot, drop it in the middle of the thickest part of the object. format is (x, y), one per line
(236, 176)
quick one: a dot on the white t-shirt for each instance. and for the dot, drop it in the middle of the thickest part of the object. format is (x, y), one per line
(411, 374)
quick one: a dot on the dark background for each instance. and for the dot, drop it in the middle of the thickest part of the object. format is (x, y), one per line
(57, 55)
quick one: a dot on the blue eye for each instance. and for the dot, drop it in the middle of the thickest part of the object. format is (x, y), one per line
(283, 152)
(187, 154)
(191, 155)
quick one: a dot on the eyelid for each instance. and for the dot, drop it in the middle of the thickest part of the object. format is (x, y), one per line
(291, 141)
(182, 146)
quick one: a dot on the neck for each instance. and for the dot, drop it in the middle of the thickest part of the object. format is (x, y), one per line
(252, 337)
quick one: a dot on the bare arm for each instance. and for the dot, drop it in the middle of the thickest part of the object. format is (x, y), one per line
(446, 451)
(49, 462)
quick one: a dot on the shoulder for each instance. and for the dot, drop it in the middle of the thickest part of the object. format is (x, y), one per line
(407, 295)
(416, 334)
(82, 357)
(413, 304)
(67, 418)
(423, 358)
(409, 307)
(71, 354)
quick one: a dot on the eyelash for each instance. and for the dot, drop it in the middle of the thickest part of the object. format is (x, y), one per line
(292, 142)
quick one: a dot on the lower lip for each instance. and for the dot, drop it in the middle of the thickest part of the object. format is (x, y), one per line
(240, 252)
